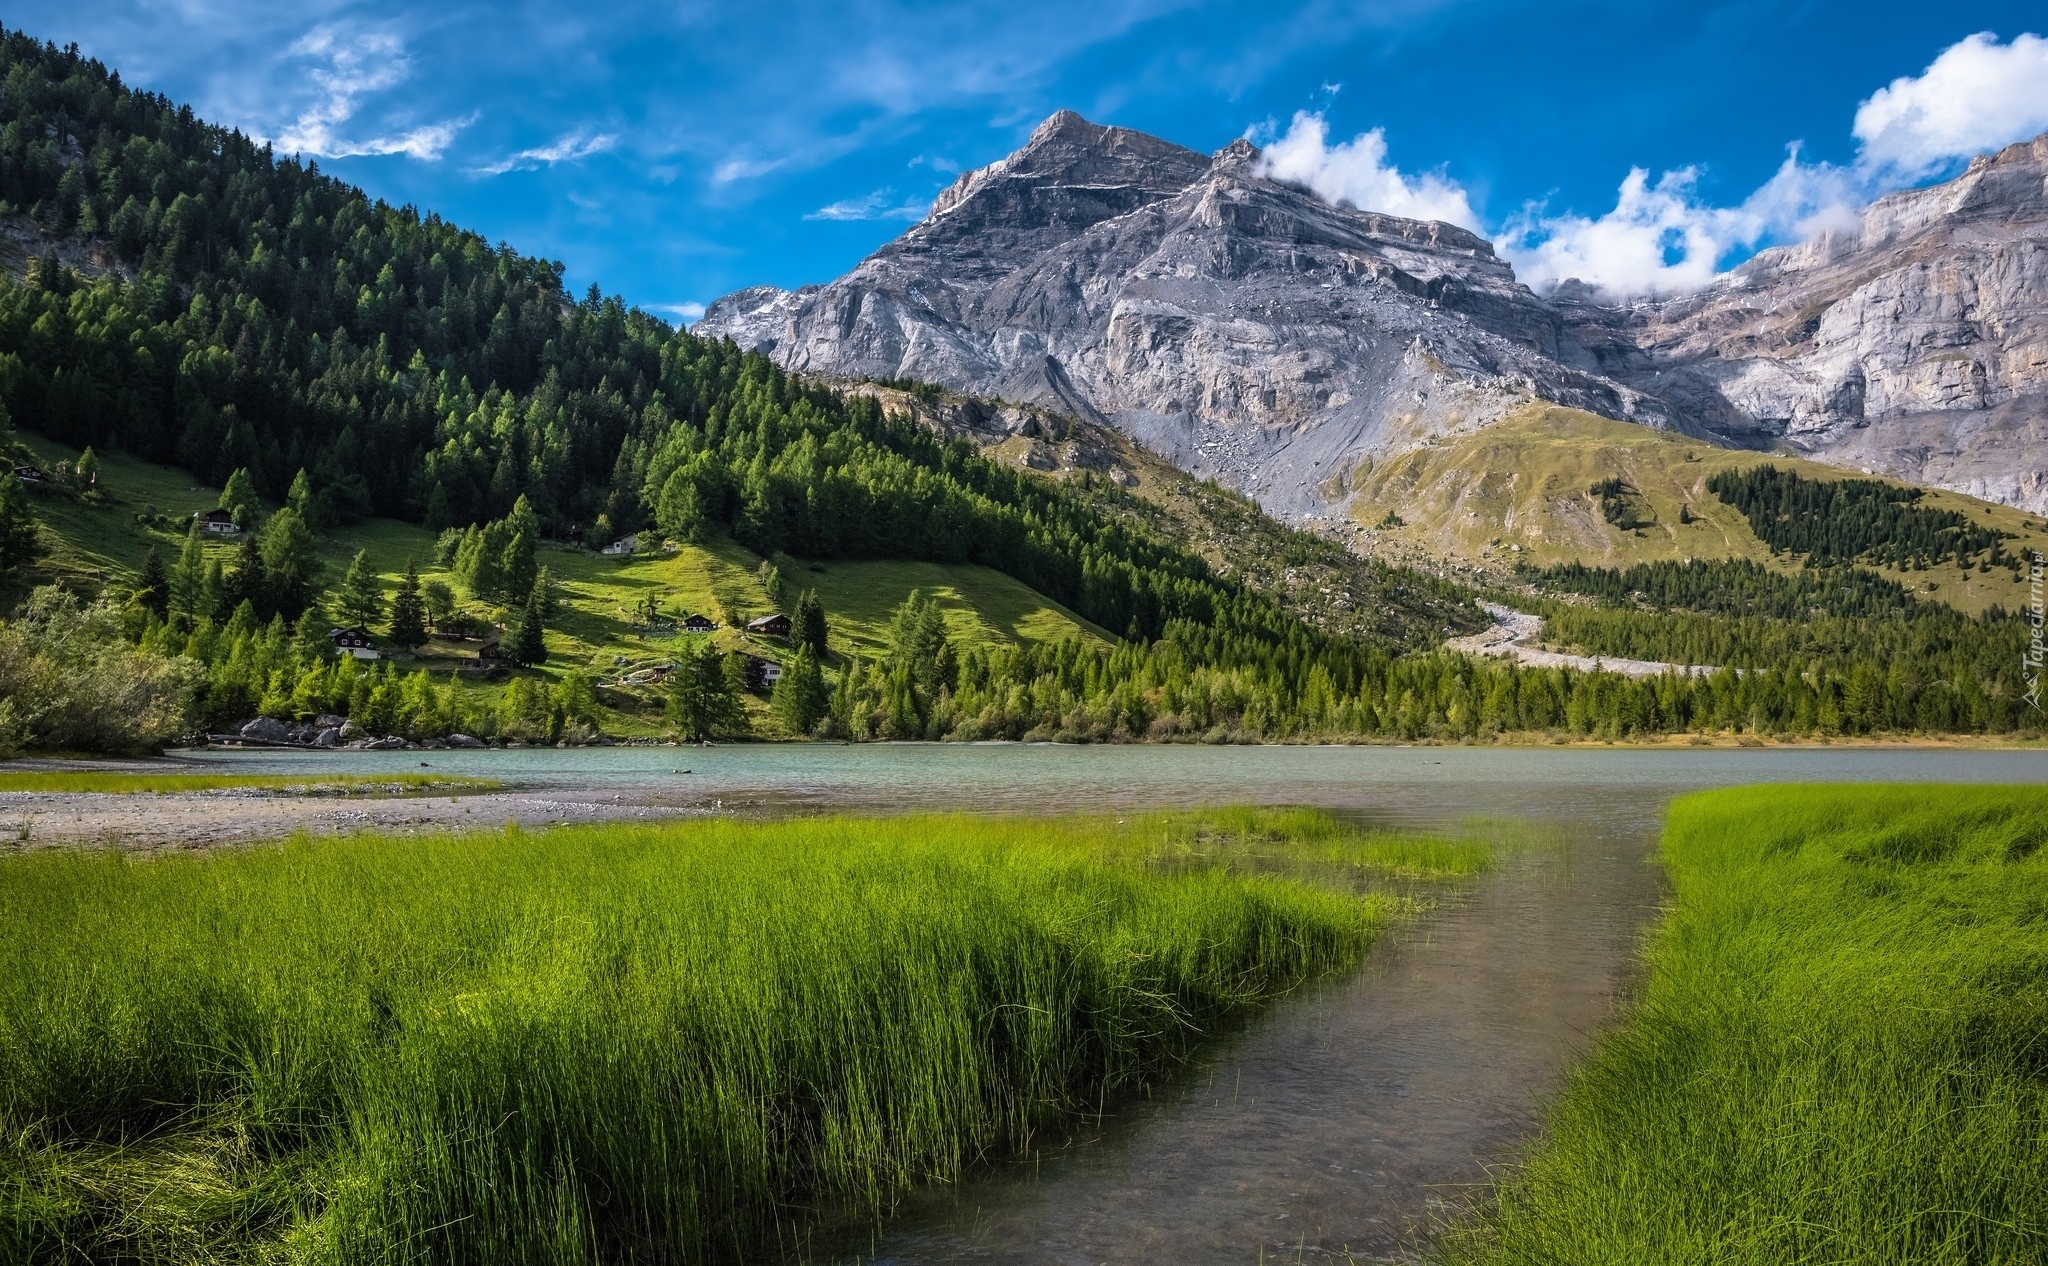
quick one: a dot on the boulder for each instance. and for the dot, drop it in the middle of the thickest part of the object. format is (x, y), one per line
(390, 744)
(328, 737)
(464, 740)
(267, 730)
(351, 732)
(328, 721)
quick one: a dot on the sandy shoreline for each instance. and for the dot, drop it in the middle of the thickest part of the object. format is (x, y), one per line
(198, 820)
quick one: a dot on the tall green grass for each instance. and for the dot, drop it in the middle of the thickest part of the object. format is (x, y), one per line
(603, 1044)
(1840, 1055)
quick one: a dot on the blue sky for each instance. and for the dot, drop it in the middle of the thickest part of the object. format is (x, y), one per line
(673, 152)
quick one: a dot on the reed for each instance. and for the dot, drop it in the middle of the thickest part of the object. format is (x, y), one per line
(609, 1043)
(1840, 1053)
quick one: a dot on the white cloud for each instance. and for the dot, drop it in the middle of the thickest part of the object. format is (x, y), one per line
(687, 313)
(1662, 239)
(1356, 173)
(357, 64)
(1979, 95)
(574, 146)
(873, 206)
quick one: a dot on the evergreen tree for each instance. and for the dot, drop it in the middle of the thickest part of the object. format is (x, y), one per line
(361, 600)
(153, 590)
(239, 495)
(699, 705)
(807, 628)
(188, 577)
(526, 644)
(20, 541)
(439, 517)
(88, 470)
(521, 541)
(409, 612)
(291, 562)
(801, 699)
(250, 581)
(315, 509)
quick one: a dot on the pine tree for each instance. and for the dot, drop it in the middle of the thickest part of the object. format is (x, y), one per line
(800, 700)
(528, 645)
(239, 495)
(808, 627)
(188, 577)
(361, 600)
(291, 562)
(250, 582)
(699, 704)
(20, 540)
(522, 539)
(88, 469)
(153, 590)
(439, 517)
(409, 612)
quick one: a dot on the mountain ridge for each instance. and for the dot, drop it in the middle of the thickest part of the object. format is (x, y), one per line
(1248, 331)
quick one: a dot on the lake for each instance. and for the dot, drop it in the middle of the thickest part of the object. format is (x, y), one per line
(1337, 1123)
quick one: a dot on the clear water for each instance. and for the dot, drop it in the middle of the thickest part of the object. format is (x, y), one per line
(1332, 1126)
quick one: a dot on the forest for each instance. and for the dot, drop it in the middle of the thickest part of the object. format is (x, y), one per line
(1855, 520)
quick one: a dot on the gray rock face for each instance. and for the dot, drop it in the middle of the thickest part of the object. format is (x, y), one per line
(1248, 331)
(1242, 328)
(1916, 345)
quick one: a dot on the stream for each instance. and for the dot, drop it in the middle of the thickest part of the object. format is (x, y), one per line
(1334, 1125)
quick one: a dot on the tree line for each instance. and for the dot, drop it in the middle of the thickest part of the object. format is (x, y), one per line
(1833, 521)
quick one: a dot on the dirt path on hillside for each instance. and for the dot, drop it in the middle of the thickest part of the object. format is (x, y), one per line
(1515, 634)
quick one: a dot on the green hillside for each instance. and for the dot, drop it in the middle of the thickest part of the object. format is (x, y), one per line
(1519, 492)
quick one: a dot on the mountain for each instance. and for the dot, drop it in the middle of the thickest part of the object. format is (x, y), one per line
(1242, 328)
(1915, 345)
(1250, 332)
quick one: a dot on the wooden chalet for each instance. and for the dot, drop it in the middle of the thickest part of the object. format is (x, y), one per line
(355, 641)
(218, 521)
(776, 625)
(695, 623)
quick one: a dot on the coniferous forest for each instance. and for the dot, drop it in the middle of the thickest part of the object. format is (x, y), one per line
(199, 301)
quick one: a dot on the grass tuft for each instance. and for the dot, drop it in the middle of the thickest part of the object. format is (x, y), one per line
(605, 1043)
(1840, 1055)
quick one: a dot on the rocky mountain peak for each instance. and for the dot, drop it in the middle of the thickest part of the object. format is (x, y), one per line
(1249, 331)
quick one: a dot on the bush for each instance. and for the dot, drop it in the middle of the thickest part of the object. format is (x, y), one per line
(71, 683)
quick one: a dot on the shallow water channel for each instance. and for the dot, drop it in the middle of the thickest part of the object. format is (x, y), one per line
(1334, 1124)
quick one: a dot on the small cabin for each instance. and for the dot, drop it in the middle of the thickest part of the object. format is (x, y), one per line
(218, 521)
(762, 673)
(694, 623)
(28, 474)
(354, 641)
(776, 625)
(624, 545)
(490, 652)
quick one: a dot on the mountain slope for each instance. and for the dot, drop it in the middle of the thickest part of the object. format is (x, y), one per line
(1241, 328)
(1915, 345)
(1521, 492)
(1249, 332)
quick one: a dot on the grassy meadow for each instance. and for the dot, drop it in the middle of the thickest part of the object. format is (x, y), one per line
(1840, 1054)
(598, 628)
(615, 1043)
